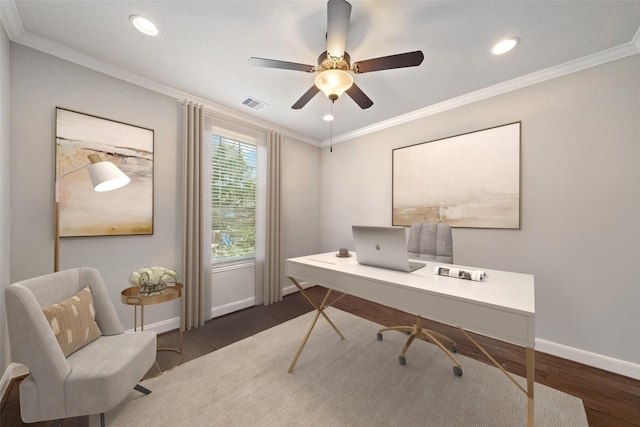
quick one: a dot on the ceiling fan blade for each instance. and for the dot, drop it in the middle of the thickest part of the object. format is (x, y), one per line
(359, 97)
(338, 15)
(401, 60)
(272, 63)
(306, 97)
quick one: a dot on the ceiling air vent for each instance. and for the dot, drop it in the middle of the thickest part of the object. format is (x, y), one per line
(254, 103)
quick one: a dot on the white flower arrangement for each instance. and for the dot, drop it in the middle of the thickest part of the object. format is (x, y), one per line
(152, 280)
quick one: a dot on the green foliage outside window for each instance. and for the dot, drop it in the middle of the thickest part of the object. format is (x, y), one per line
(233, 199)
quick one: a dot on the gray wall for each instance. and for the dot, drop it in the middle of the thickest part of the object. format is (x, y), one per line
(580, 202)
(40, 83)
(4, 190)
(300, 200)
(580, 198)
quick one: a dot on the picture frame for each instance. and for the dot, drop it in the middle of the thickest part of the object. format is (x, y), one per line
(470, 180)
(85, 212)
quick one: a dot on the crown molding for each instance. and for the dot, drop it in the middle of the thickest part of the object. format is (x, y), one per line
(10, 19)
(599, 58)
(15, 31)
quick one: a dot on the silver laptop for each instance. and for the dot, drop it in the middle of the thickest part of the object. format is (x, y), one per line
(384, 247)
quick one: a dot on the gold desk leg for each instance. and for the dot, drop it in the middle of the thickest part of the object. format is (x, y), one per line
(181, 323)
(319, 310)
(531, 370)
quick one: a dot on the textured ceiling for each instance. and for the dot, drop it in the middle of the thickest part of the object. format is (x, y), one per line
(203, 48)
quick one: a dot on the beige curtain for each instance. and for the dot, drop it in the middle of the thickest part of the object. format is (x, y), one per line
(272, 276)
(196, 256)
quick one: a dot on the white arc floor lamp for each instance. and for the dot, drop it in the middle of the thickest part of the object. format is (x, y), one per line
(105, 176)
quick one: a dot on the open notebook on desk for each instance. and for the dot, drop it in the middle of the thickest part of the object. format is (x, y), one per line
(384, 247)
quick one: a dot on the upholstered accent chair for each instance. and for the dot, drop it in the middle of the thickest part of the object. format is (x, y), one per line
(430, 241)
(101, 367)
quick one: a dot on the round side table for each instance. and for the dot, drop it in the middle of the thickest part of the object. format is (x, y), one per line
(131, 296)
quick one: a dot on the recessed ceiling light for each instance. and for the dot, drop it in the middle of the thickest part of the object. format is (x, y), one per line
(328, 117)
(505, 45)
(144, 25)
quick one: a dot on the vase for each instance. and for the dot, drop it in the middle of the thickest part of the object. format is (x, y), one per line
(151, 289)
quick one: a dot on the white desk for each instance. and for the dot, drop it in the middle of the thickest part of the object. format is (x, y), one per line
(501, 306)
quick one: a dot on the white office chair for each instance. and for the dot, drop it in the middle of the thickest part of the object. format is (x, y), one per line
(431, 241)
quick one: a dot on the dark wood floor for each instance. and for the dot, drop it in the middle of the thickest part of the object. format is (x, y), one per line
(610, 400)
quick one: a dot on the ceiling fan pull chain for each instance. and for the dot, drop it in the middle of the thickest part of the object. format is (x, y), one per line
(331, 130)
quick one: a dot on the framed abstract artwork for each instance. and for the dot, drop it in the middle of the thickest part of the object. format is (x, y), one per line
(85, 212)
(470, 180)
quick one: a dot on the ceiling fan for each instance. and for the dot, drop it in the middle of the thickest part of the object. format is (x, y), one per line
(334, 65)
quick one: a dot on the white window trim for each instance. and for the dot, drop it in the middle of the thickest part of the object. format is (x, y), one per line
(234, 135)
(233, 265)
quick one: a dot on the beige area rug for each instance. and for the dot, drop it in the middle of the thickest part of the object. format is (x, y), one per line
(355, 382)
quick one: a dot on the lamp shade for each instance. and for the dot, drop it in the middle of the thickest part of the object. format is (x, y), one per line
(105, 176)
(333, 83)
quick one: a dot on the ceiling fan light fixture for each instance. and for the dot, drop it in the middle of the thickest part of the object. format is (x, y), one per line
(328, 117)
(333, 83)
(505, 46)
(144, 25)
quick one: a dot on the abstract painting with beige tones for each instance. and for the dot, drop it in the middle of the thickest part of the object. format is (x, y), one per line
(470, 180)
(85, 212)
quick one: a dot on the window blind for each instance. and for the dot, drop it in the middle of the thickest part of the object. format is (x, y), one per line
(233, 199)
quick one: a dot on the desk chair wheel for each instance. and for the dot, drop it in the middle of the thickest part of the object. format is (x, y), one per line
(453, 348)
(457, 371)
(403, 360)
(379, 336)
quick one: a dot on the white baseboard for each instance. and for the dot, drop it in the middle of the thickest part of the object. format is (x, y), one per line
(14, 370)
(291, 288)
(221, 310)
(617, 366)
(172, 324)
(162, 326)
(621, 367)
(250, 302)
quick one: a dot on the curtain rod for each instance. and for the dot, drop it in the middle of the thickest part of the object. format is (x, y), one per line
(263, 128)
(219, 115)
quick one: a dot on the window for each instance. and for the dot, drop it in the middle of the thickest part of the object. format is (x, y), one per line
(233, 199)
